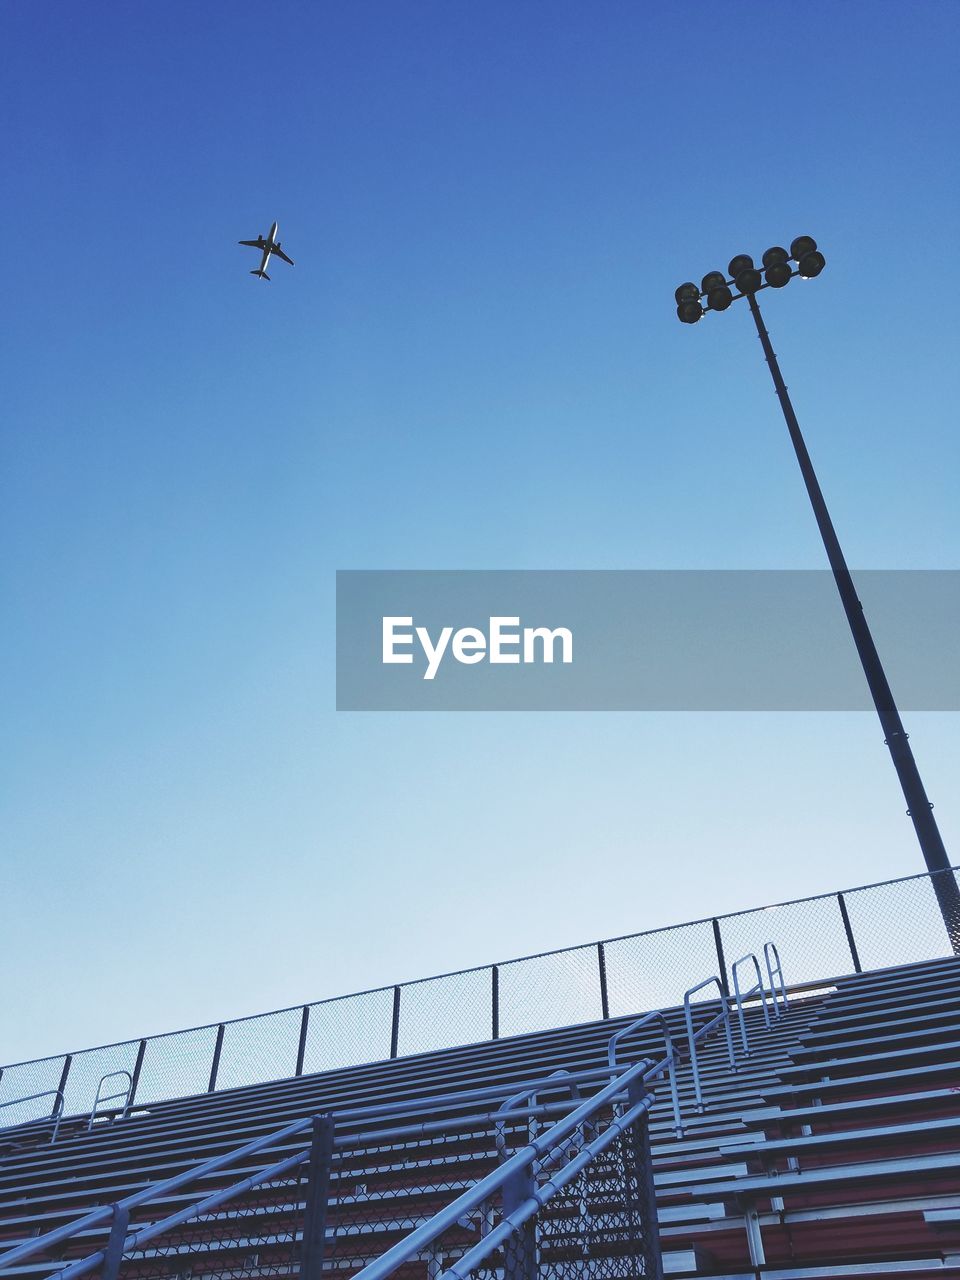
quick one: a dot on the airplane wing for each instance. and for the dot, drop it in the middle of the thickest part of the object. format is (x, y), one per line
(280, 254)
(254, 244)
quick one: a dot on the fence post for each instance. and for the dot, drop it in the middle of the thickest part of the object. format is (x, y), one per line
(318, 1192)
(215, 1066)
(135, 1078)
(722, 975)
(495, 999)
(302, 1046)
(395, 1029)
(848, 929)
(62, 1086)
(604, 997)
(520, 1252)
(639, 1136)
(113, 1254)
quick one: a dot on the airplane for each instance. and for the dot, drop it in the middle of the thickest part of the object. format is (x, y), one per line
(270, 245)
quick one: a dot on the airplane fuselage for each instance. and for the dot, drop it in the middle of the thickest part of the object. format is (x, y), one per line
(271, 242)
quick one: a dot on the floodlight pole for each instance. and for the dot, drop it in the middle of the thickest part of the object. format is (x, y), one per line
(919, 808)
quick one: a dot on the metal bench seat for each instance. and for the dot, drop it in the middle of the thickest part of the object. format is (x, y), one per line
(883, 1134)
(748, 1188)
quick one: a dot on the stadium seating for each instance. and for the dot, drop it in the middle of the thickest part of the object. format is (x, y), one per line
(833, 1148)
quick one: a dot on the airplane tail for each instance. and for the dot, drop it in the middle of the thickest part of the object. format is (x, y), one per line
(262, 274)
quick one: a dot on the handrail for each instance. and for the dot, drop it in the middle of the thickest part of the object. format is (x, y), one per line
(474, 1196)
(741, 996)
(723, 1016)
(672, 1057)
(55, 1116)
(529, 1095)
(111, 1097)
(645, 1071)
(772, 973)
(137, 1239)
(539, 1196)
(101, 1215)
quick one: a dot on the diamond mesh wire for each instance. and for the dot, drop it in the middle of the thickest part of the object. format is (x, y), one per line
(24, 1079)
(256, 1234)
(555, 990)
(598, 1227)
(653, 970)
(442, 1012)
(898, 923)
(86, 1071)
(349, 1031)
(808, 935)
(259, 1049)
(379, 1193)
(177, 1065)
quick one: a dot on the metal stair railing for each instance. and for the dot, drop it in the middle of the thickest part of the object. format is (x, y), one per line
(741, 997)
(119, 1112)
(522, 1197)
(105, 1214)
(722, 1018)
(671, 1061)
(53, 1118)
(775, 975)
(124, 1240)
(646, 1071)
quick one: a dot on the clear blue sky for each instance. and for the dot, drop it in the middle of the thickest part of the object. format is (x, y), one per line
(474, 363)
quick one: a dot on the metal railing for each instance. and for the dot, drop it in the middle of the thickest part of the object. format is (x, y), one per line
(694, 1037)
(372, 1127)
(873, 926)
(375, 1134)
(741, 997)
(53, 1119)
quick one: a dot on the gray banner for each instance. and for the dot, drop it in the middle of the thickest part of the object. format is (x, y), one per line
(639, 640)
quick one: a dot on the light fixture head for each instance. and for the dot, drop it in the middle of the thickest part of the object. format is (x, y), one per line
(712, 280)
(774, 256)
(778, 274)
(811, 264)
(719, 298)
(748, 280)
(690, 310)
(802, 245)
(686, 292)
(742, 262)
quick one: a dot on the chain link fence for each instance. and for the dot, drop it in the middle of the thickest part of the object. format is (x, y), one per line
(870, 927)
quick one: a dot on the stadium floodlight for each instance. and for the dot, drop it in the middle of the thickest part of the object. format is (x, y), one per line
(689, 307)
(777, 270)
(748, 282)
(745, 275)
(714, 287)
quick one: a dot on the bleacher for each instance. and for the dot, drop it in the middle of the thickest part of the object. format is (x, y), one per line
(832, 1149)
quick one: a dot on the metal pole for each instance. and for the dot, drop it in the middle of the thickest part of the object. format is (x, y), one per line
(718, 943)
(137, 1068)
(215, 1065)
(395, 1024)
(495, 1000)
(919, 808)
(604, 993)
(302, 1043)
(848, 930)
(62, 1086)
(318, 1191)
